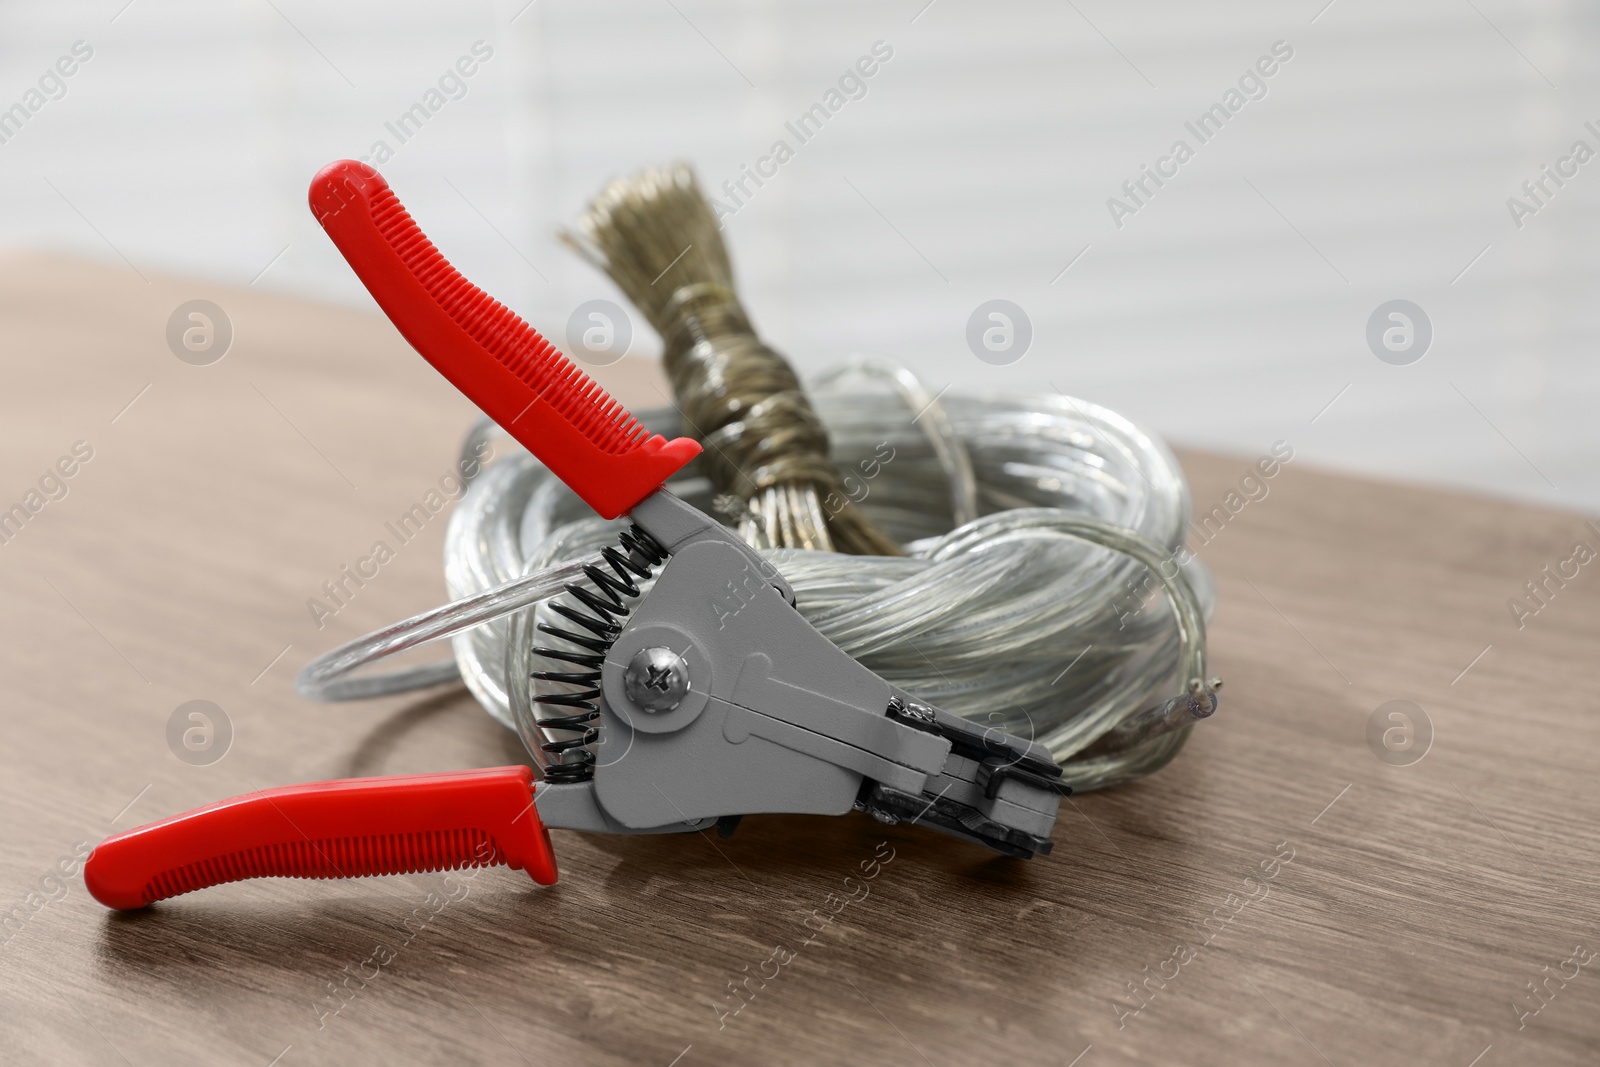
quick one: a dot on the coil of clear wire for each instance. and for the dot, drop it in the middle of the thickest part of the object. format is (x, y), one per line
(1010, 608)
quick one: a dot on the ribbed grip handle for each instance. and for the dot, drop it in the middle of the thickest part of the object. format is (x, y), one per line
(349, 828)
(519, 379)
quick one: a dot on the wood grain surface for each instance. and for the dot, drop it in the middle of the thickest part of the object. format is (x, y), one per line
(1278, 895)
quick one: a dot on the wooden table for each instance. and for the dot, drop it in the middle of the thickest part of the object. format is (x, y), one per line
(1419, 903)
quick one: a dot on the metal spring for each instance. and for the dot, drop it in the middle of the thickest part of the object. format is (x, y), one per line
(636, 556)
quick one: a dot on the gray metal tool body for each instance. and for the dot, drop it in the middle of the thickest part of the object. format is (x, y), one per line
(717, 699)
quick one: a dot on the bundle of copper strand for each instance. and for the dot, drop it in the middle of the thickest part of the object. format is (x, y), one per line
(767, 451)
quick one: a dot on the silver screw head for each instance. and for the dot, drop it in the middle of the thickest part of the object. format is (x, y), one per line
(657, 679)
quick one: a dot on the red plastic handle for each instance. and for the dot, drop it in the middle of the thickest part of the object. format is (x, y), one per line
(349, 828)
(520, 380)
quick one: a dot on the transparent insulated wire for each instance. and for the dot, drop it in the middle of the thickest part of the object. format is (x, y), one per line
(1063, 608)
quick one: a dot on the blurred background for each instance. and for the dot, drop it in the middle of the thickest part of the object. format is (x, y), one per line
(1227, 308)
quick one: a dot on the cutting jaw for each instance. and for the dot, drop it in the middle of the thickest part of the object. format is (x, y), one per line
(775, 717)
